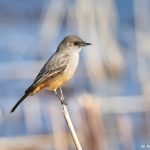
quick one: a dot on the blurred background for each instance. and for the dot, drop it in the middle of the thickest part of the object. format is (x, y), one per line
(108, 97)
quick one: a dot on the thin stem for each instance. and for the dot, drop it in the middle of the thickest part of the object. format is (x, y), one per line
(70, 126)
(68, 120)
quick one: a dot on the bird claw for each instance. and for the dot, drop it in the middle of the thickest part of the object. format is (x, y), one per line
(63, 102)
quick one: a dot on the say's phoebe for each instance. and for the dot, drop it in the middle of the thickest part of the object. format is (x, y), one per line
(58, 69)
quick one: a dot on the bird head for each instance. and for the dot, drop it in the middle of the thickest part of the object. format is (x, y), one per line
(72, 43)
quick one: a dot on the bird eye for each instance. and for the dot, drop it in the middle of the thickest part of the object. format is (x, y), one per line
(76, 43)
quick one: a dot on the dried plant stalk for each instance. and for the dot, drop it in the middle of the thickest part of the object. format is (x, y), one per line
(70, 126)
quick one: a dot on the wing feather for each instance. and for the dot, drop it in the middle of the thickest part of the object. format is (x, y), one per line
(54, 66)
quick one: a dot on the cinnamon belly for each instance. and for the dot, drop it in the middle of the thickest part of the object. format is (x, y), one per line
(58, 81)
(53, 83)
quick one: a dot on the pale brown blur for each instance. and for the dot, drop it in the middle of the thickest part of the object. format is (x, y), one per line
(108, 97)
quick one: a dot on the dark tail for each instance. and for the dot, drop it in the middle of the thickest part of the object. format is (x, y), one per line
(17, 104)
(27, 92)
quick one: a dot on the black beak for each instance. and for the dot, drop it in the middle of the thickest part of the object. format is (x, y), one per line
(85, 44)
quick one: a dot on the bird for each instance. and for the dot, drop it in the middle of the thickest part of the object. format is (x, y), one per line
(59, 68)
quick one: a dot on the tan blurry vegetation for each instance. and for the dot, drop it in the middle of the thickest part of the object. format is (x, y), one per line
(95, 22)
(100, 123)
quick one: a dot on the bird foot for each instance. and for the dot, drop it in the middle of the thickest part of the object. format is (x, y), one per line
(63, 102)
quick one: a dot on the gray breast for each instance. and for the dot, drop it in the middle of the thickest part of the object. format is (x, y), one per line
(72, 65)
